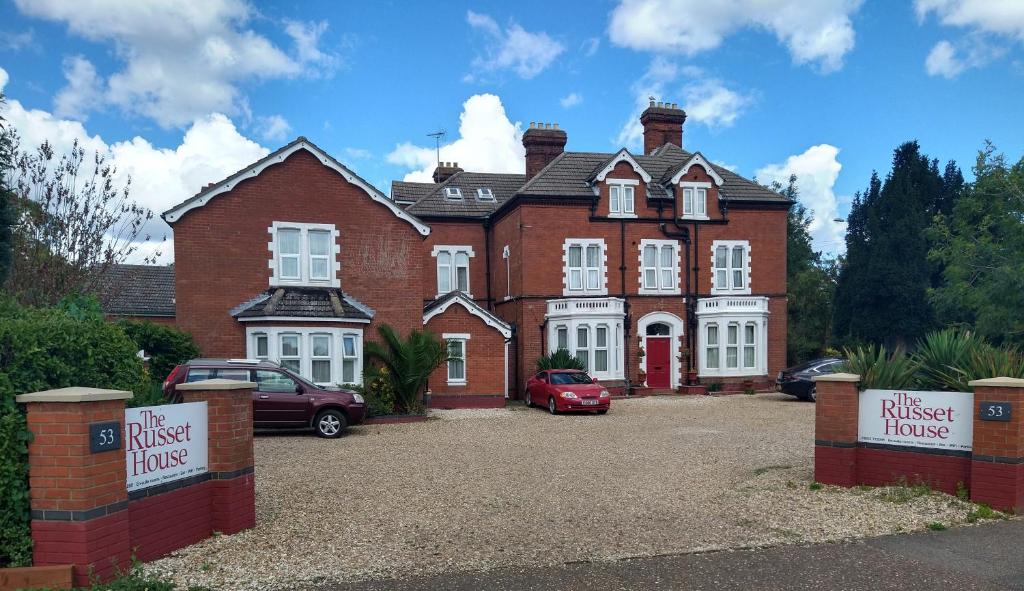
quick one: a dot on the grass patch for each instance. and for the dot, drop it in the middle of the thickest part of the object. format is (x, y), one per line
(816, 486)
(766, 469)
(901, 492)
(983, 511)
(937, 526)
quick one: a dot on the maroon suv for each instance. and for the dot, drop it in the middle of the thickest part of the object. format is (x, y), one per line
(281, 399)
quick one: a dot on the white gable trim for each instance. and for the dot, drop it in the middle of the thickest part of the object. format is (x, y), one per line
(623, 156)
(174, 214)
(697, 158)
(472, 308)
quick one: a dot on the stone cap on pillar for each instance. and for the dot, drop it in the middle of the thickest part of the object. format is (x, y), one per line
(75, 394)
(1002, 382)
(837, 377)
(217, 384)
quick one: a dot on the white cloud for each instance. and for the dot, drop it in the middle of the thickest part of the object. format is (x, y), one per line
(816, 169)
(307, 43)
(571, 100)
(987, 24)
(83, 92)
(17, 41)
(274, 128)
(358, 153)
(516, 49)
(182, 60)
(488, 141)
(3, 79)
(818, 32)
(706, 99)
(590, 46)
(211, 149)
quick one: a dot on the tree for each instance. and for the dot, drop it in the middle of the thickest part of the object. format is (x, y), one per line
(6, 206)
(409, 362)
(883, 284)
(73, 223)
(980, 247)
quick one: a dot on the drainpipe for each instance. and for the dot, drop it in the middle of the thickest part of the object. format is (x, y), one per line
(507, 341)
(487, 264)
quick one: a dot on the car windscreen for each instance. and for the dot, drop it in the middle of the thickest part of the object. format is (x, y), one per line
(571, 378)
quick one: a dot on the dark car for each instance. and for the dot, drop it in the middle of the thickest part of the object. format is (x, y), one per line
(281, 399)
(567, 389)
(797, 380)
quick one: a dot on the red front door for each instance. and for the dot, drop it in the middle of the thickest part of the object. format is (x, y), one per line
(659, 362)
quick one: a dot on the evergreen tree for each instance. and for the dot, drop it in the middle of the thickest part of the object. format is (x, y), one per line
(7, 215)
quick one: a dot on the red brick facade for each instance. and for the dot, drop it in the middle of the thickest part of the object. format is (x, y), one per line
(517, 257)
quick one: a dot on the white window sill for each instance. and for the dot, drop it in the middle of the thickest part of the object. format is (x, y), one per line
(694, 217)
(623, 215)
(459, 383)
(731, 373)
(583, 292)
(278, 282)
(666, 292)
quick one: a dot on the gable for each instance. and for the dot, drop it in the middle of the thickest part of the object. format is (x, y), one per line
(440, 306)
(696, 160)
(301, 144)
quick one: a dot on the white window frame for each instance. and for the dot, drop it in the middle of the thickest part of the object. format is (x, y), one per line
(355, 358)
(741, 321)
(305, 334)
(698, 203)
(313, 357)
(485, 194)
(463, 340)
(660, 288)
(305, 258)
(620, 207)
(281, 358)
(614, 344)
(584, 270)
(717, 287)
(453, 269)
(453, 193)
(256, 338)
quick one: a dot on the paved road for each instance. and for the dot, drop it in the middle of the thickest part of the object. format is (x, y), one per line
(987, 557)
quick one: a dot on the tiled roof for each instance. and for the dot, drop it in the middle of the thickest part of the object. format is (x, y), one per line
(138, 290)
(435, 203)
(408, 191)
(566, 176)
(304, 302)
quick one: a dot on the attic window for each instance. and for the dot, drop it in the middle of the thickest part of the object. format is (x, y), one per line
(453, 193)
(485, 194)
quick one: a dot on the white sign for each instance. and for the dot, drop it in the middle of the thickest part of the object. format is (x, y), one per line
(164, 443)
(936, 420)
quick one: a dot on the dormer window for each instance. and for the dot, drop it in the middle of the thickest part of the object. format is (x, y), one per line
(694, 200)
(622, 198)
(453, 193)
(484, 194)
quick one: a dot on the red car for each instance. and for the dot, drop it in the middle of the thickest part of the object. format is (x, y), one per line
(562, 390)
(281, 399)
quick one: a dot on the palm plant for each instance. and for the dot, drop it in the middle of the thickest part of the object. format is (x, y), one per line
(944, 359)
(409, 362)
(560, 359)
(878, 369)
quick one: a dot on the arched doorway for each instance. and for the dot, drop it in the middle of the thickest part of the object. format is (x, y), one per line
(661, 335)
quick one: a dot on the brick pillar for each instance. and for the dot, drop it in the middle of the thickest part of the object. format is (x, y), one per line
(78, 498)
(997, 455)
(230, 460)
(836, 416)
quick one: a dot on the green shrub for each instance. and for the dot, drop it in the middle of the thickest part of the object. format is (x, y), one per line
(943, 358)
(560, 359)
(377, 390)
(409, 362)
(166, 346)
(878, 369)
(70, 345)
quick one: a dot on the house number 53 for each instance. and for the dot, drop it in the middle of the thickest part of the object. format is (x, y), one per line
(104, 437)
(995, 411)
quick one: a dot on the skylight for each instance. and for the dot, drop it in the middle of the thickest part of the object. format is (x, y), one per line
(485, 194)
(453, 193)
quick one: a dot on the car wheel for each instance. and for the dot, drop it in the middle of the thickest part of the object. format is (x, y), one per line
(551, 406)
(330, 424)
(602, 412)
(527, 399)
(812, 394)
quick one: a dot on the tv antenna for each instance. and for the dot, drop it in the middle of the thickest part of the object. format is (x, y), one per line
(437, 135)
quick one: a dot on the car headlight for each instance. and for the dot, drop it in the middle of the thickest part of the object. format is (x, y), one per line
(358, 398)
(569, 395)
(605, 394)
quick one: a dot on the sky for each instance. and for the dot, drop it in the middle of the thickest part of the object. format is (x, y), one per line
(181, 94)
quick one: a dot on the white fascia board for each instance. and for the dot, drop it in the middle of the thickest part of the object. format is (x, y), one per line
(697, 158)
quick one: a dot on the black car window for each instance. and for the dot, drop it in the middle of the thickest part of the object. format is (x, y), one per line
(571, 378)
(273, 381)
(198, 374)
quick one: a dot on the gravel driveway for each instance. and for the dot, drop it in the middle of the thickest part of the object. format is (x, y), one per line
(476, 489)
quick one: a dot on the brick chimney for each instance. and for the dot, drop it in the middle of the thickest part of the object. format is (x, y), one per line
(663, 124)
(543, 143)
(445, 170)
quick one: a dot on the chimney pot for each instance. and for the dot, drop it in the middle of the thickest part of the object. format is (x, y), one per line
(543, 144)
(445, 170)
(533, 124)
(652, 103)
(663, 124)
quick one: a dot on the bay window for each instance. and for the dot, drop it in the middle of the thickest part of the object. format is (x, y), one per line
(733, 336)
(325, 356)
(591, 330)
(349, 356)
(320, 358)
(582, 346)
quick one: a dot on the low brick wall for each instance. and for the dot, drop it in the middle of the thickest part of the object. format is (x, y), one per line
(993, 471)
(82, 513)
(466, 401)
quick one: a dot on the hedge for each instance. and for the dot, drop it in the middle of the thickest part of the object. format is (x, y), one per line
(39, 350)
(165, 346)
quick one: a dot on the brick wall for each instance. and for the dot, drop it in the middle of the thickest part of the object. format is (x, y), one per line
(485, 356)
(221, 254)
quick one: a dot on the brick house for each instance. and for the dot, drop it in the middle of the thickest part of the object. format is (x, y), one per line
(656, 269)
